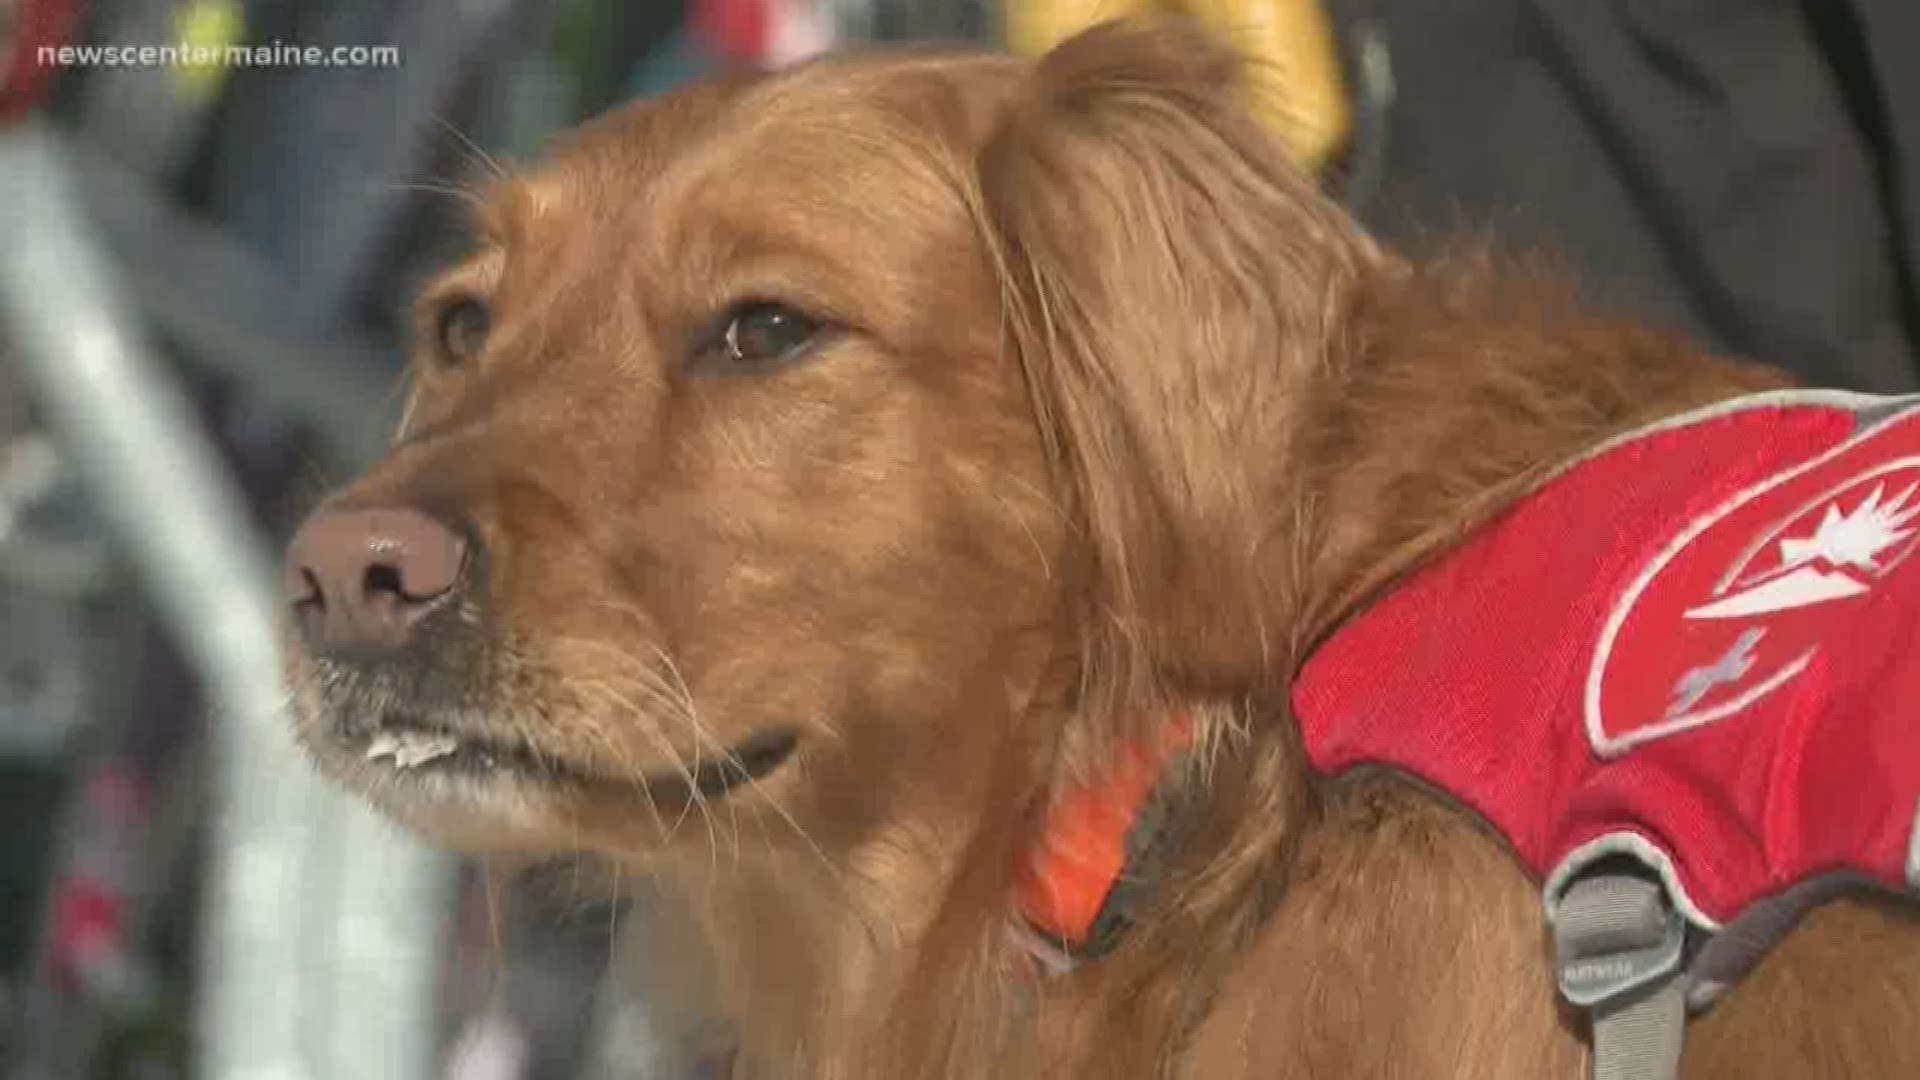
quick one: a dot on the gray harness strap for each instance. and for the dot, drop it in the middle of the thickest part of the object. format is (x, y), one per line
(1726, 957)
(1622, 955)
(1619, 945)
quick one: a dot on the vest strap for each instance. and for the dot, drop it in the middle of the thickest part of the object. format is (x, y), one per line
(1619, 943)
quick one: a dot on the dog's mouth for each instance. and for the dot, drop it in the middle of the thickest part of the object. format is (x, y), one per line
(417, 747)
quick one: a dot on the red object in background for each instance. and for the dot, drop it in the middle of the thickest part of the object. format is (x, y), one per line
(88, 917)
(26, 28)
(1699, 647)
(88, 923)
(737, 30)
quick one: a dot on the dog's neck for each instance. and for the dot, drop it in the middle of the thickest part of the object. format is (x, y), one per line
(808, 953)
(903, 952)
(840, 953)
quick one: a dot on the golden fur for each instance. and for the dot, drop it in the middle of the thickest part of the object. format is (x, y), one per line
(1119, 414)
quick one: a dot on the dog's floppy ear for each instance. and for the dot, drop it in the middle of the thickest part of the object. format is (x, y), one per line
(1172, 284)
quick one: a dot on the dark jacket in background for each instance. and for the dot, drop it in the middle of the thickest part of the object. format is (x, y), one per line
(1744, 170)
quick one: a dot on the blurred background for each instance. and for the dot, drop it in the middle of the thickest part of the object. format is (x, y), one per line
(203, 267)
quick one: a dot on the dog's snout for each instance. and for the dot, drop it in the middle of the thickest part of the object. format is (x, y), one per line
(365, 577)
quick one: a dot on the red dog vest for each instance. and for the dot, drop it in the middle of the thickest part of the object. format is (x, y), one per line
(1695, 647)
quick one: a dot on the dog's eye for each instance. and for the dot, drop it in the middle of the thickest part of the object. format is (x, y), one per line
(461, 330)
(764, 332)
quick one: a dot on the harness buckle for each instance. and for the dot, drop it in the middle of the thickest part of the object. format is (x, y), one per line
(1619, 942)
(1614, 934)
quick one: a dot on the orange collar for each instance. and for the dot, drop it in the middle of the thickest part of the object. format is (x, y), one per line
(1072, 884)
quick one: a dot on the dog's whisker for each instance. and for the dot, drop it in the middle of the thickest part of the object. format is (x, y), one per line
(632, 770)
(669, 690)
(478, 153)
(696, 799)
(626, 767)
(669, 697)
(689, 713)
(427, 187)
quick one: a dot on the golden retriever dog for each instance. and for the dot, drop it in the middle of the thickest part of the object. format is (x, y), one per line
(812, 476)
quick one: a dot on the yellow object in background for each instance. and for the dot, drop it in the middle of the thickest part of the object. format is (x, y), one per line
(212, 26)
(1031, 27)
(1294, 77)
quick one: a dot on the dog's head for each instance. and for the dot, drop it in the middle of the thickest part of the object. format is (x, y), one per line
(784, 435)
